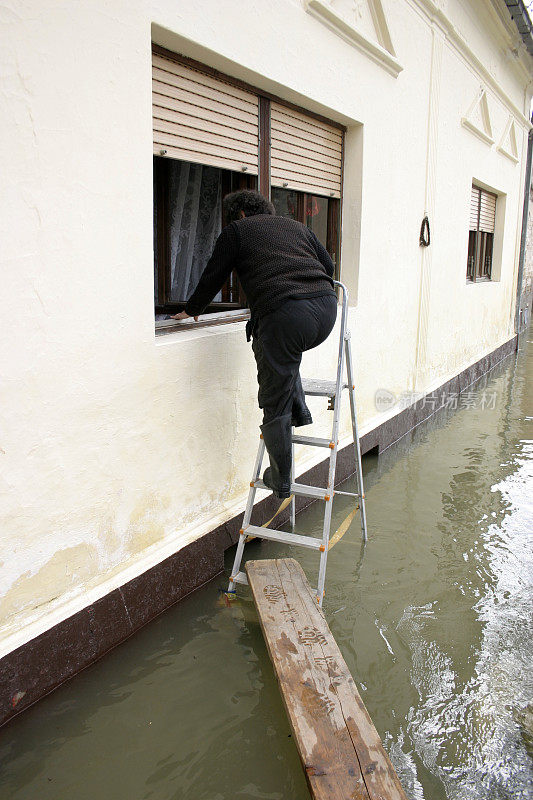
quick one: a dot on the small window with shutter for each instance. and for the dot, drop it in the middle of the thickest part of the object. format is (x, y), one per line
(481, 234)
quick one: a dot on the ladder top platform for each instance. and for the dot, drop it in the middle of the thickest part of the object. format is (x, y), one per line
(314, 386)
(340, 749)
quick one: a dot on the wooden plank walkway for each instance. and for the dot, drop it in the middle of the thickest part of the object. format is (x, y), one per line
(340, 749)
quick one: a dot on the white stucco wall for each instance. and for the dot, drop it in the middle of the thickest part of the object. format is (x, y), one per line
(118, 448)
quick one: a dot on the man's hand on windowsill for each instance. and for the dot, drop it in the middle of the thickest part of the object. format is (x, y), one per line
(183, 315)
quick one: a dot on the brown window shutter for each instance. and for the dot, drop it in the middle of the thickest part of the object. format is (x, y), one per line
(201, 119)
(487, 212)
(306, 153)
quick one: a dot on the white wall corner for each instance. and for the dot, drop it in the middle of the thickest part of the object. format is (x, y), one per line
(340, 15)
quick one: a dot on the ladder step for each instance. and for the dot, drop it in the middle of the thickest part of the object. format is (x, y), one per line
(314, 441)
(282, 536)
(299, 488)
(240, 577)
(314, 386)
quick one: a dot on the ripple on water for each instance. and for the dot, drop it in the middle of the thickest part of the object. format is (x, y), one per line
(471, 736)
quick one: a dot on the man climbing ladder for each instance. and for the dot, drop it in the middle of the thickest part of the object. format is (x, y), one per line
(287, 277)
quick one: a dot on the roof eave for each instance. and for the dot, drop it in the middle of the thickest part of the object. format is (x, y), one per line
(522, 21)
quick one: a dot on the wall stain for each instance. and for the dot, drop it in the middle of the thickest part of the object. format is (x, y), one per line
(66, 570)
(145, 522)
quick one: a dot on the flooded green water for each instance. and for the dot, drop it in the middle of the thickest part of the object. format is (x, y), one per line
(433, 619)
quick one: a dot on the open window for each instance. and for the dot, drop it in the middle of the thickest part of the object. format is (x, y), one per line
(481, 235)
(213, 135)
(187, 222)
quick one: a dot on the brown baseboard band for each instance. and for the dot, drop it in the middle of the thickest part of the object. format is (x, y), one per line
(38, 667)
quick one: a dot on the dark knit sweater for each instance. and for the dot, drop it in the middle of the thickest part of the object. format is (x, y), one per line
(274, 257)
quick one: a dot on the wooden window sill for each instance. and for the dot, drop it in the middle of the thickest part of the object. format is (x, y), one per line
(205, 320)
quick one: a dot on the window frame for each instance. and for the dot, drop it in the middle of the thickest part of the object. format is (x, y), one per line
(263, 186)
(477, 252)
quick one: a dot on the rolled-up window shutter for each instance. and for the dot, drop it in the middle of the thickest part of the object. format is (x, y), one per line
(202, 119)
(474, 208)
(487, 213)
(306, 154)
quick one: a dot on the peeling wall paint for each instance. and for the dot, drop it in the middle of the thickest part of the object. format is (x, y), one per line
(115, 447)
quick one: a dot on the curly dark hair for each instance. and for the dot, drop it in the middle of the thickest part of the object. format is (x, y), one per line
(250, 202)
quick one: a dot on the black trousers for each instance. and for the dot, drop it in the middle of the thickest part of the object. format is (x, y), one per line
(279, 340)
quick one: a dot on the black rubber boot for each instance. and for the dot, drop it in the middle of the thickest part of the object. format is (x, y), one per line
(277, 435)
(300, 412)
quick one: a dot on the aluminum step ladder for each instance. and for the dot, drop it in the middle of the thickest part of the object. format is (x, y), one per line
(333, 391)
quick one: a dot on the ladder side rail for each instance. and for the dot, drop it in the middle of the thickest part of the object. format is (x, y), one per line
(257, 472)
(357, 446)
(247, 515)
(293, 480)
(237, 561)
(327, 523)
(333, 455)
(344, 322)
